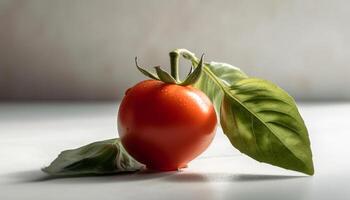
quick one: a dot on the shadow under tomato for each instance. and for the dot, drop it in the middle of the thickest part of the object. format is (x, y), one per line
(173, 176)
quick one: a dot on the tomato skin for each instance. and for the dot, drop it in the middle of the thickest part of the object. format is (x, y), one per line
(164, 126)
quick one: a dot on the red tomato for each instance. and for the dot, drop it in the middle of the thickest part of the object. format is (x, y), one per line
(164, 126)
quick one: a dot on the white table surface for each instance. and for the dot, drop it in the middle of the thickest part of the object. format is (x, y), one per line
(32, 134)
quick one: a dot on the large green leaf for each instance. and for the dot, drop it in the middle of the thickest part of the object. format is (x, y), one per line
(103, 157)
(262, 121)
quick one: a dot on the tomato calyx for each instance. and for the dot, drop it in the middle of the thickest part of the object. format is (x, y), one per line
(173, 78)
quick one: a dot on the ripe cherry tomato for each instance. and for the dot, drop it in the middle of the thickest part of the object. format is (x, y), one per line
(164, 126)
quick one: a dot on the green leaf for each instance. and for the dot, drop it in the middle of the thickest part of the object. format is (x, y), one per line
(164, 76)
(195, 75)
(98, 158)
(145, 72)
(227, 74)
(260, 119)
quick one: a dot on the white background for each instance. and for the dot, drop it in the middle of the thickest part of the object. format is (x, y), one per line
(85, 49)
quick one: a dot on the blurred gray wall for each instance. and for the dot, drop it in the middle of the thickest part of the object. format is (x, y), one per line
(75, 49)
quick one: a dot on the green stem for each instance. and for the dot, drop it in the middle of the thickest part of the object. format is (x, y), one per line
(174, 64)
(188, 55)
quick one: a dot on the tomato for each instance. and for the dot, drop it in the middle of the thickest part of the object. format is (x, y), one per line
(164, 126)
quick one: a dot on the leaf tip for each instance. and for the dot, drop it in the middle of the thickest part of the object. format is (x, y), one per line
(310, 171)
